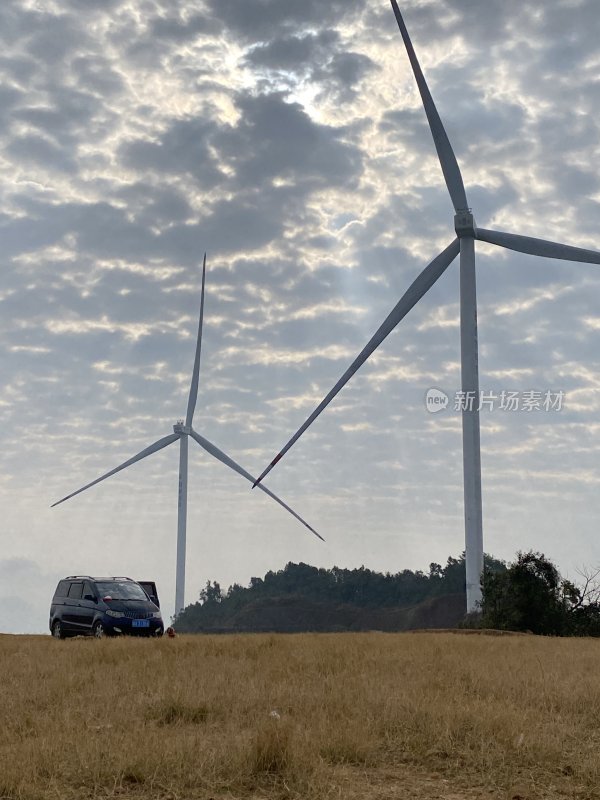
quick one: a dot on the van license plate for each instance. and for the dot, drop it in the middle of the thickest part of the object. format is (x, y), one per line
(140, 623)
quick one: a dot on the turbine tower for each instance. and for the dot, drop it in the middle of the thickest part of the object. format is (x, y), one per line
(181, 431)
(464, 244)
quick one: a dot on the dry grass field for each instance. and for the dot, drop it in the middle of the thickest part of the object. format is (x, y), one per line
(431, 715)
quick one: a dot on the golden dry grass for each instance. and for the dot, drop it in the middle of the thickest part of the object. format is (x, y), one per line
(355, 716)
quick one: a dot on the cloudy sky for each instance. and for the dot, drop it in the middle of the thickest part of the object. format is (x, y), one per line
(286, 138)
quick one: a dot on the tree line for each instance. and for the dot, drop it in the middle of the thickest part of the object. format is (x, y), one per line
(528, 594)
(361, 587)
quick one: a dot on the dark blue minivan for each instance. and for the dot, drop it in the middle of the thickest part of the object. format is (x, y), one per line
(83, 605)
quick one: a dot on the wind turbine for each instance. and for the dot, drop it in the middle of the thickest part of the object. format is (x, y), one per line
(466, 234)
(181, 431)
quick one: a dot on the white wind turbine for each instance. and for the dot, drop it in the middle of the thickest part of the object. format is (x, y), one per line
(181, 432)
(466, 232)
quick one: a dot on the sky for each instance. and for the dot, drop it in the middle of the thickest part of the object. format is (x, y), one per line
(287, 139)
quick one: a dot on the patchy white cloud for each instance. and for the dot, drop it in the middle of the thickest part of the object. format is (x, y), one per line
(287, 139)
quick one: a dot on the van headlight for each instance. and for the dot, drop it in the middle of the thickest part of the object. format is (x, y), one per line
(111, 613)
(156, 614)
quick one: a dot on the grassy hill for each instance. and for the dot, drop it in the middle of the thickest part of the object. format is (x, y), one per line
(310, 716)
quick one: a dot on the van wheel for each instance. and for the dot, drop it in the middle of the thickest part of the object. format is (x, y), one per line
(57, 630)
(99, 631)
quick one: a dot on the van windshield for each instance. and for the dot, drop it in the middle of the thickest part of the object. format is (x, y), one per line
(121, 590)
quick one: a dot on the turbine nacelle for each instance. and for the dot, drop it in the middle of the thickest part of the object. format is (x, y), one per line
(464, 224)
(182, 429)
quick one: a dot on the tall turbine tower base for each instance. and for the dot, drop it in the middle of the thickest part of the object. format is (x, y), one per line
(465, 228)
(181, 517)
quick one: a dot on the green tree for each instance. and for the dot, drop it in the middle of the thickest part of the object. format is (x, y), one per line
(529, 596)
(211, 593)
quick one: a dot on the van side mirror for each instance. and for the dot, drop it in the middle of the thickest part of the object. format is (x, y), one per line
(91, 598)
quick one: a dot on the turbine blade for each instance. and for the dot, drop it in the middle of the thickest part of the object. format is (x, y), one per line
(146, 452)
(225, 459)
(538, 247)
(196, 371)
(411, 297)
(448, 161)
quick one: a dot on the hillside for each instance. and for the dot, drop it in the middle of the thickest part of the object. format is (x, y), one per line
(297, 614)
(302, 598)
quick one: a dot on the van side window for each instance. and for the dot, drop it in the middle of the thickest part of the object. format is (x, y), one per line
(75, 590)
(62, 589)
(88, 589)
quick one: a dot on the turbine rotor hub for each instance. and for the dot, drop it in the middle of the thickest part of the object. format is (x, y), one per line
(464, 224)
